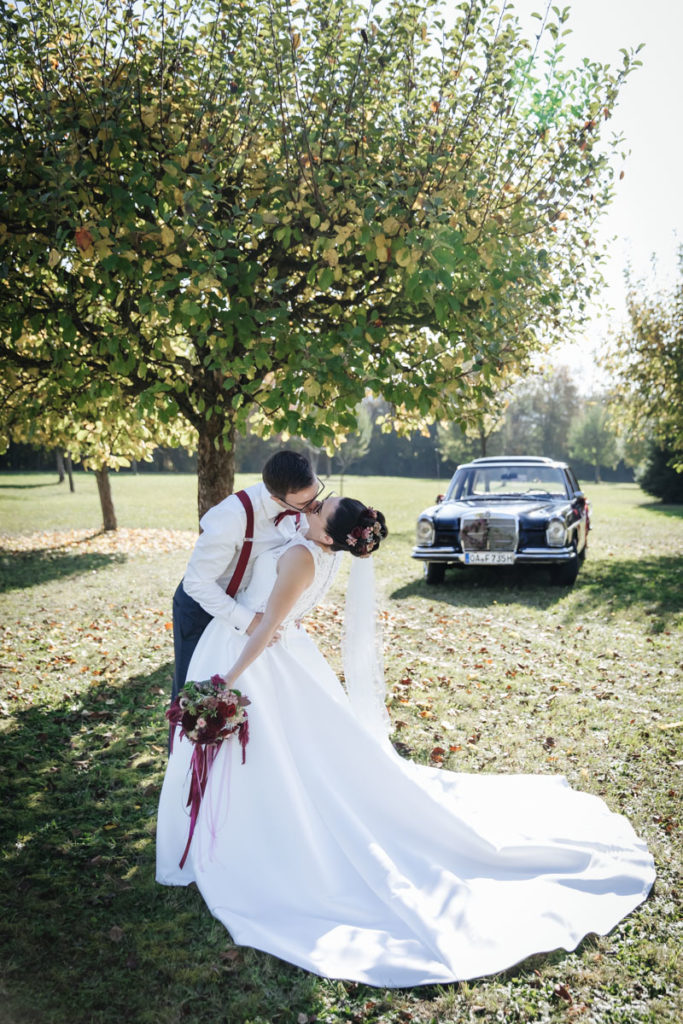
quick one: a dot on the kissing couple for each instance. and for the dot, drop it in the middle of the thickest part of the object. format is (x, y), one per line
(323, 846)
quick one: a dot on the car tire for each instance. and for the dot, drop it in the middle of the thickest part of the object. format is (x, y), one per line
(434, 572)
(564, 575)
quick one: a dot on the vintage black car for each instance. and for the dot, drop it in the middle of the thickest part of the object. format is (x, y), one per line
(508, 510)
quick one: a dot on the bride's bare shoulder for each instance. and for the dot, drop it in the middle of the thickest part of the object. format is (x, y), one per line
(297, 560)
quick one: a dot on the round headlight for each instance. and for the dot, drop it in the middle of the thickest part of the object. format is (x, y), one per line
(556, 533)
(425, 532)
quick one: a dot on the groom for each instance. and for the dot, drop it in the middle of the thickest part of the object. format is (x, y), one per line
(289, 489)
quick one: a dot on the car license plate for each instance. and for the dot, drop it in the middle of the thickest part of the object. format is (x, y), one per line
(489, 557)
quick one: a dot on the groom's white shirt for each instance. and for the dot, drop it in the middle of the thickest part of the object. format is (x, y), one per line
(215, 554)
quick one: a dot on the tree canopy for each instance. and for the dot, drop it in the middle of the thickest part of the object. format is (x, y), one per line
(212, 208)
(648, 362)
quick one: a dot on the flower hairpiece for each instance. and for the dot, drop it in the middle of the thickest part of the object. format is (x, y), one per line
(364, 539)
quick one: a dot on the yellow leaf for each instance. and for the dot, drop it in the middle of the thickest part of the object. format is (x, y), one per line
(344, 232)
(167, 235)
(403, 257)
(391, 226)
(184, 161)
(296, 40)
(312, 387)
(103, 247)
(174, 260)
(149, 116)
(54, 258)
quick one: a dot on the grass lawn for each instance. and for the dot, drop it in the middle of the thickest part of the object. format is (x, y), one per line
(493, 671)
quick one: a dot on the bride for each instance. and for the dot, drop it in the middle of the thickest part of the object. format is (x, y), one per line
(327, 849)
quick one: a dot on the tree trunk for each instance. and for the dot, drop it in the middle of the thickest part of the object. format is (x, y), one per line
(215, 468)
(60, 466)
(104, 487)
(70, 472)
(597, 473)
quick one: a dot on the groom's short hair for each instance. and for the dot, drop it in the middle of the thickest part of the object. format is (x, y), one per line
(287, 472)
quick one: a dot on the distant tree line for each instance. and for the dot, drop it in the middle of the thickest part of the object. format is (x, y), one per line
(543, 414)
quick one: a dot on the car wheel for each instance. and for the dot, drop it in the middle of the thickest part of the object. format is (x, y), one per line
(434, 572)
(564, 575)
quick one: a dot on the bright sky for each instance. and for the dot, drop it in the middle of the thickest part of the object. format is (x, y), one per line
(646, 216)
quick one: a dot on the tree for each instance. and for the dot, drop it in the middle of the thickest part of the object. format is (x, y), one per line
(592, 439)
(647, 360)
(657, 477)
(356, 444)
(540, 414)
(229, 210)
(101, 432)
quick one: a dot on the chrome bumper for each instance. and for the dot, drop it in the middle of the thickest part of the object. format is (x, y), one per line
(532, 556)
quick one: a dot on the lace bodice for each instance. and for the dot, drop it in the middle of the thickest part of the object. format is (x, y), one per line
(256, 594)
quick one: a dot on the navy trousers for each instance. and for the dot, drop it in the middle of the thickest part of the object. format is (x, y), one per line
(189, 622)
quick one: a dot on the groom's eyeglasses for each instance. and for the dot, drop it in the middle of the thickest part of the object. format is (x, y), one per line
(314, 505)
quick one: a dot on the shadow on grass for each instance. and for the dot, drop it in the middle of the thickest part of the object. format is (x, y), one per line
(480, 587)
(24, 487)
(673, 511)
(651, 584)
(79, 786)
(20, 569)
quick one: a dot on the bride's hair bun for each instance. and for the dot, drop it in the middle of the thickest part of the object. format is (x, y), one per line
(356, 528)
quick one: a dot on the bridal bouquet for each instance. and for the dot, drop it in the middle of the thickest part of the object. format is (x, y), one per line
(208, 713)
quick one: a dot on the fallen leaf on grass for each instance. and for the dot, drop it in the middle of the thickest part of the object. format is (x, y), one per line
(562, 992)
(116, 933)
(230, 955)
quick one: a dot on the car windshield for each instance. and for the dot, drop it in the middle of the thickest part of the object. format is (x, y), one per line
(505, 481)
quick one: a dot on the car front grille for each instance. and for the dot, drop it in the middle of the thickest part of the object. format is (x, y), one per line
(488, 532)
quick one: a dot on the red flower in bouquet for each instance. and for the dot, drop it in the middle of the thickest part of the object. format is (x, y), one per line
(208, 713)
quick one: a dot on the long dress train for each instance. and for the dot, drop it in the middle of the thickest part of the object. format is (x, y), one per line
(330, 851)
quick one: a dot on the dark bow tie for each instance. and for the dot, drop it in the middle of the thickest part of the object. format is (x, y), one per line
(288, 512)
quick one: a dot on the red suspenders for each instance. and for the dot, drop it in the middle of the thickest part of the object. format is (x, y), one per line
(234, 583)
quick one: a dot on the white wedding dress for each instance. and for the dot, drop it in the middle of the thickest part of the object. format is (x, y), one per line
(330, 851)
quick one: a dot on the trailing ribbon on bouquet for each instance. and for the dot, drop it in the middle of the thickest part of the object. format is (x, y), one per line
(208, 713)
(362, 651)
